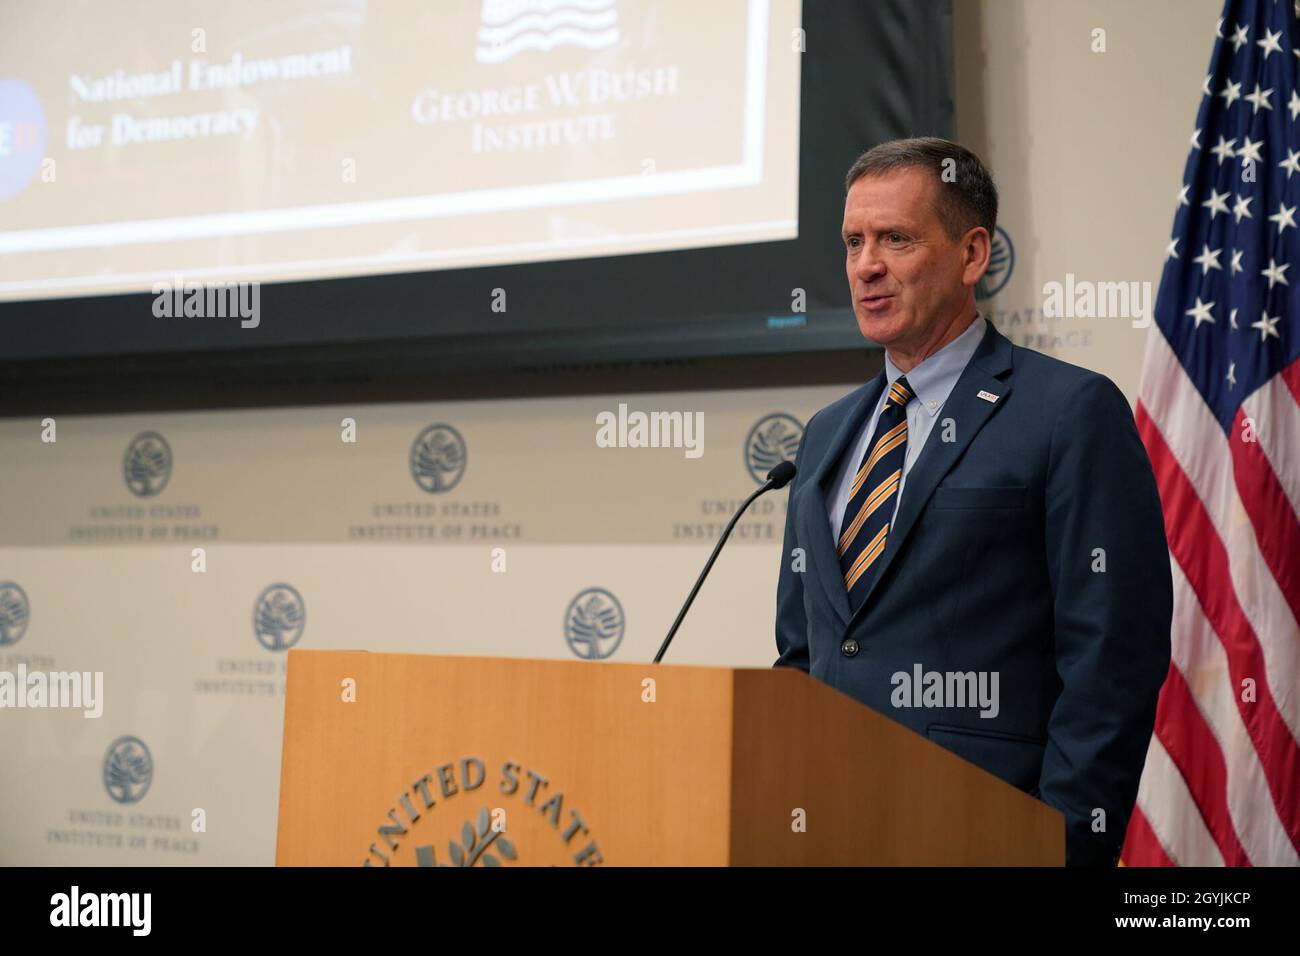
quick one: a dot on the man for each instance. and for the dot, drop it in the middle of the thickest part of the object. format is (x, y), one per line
(980, 511)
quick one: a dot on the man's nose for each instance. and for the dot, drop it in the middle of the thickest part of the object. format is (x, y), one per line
(867, 265)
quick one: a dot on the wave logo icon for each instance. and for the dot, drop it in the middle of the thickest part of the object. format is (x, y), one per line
(509, 27)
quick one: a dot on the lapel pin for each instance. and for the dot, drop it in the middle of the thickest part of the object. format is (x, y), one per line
(987, 396)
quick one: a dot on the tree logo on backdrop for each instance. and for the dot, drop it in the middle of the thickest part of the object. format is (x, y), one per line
(23, 121)
(128, 770)
(773, 440)
(438, 458)
(1002, 259)
(279, 617)
(15, 612)
(593, 624)
(147, 464)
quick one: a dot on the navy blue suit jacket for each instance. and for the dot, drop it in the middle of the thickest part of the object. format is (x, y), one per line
(994, 564)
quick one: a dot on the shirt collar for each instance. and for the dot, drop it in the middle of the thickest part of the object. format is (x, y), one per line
(932, 380)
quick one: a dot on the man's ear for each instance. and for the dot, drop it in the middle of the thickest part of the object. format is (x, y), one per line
(977, 249)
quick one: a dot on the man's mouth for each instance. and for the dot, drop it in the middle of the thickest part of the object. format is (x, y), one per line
(875, 301)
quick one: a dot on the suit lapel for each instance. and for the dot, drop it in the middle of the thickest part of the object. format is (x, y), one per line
(813, 516)
(985, 372)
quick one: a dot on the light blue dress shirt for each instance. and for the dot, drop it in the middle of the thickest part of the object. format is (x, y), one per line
(932, 382)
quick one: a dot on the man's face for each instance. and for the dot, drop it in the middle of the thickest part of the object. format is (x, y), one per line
(908, 279)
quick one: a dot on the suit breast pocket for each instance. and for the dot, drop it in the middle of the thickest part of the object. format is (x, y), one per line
(957, 498)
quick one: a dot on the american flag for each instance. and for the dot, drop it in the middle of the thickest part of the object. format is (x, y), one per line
(1219, 412)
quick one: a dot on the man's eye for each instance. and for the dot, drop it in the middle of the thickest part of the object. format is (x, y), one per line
(895, 237)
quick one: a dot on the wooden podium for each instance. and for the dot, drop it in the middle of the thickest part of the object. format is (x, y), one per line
(471, 761)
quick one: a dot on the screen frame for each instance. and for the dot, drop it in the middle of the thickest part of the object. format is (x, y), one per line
(707, 304)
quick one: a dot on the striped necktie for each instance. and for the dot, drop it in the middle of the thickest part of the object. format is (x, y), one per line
(870, 509)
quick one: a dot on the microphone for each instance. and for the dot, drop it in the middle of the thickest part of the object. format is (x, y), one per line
(778, 477)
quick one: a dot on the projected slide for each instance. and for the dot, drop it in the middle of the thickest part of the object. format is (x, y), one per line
(255, 140)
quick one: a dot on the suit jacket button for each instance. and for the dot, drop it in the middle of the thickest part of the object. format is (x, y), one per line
(849, 647)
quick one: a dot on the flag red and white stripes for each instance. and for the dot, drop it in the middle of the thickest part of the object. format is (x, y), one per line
(1219, 413)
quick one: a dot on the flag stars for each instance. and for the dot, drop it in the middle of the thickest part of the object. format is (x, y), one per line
(1208, 259)
(1232, 375)
(1293, 104)
(1224, 149)
(1285, 216)
(1267, 326)
(1201, 312)
(1259, 100)
(1291, 164)
(1235, 266)
(1171, 250)
(1241, 210)
(1182, 195)
(1231, 92)
(1216, 202)
(1232, 319)
(1276, 273)
(1250, 150)
(1238, 38)
(1196, 136)
(1269, 44)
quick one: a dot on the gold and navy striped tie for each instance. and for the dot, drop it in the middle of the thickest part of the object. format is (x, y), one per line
(875, 487)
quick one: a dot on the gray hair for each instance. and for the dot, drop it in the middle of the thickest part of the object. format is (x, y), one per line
(966, 198)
